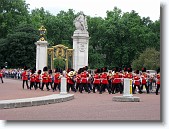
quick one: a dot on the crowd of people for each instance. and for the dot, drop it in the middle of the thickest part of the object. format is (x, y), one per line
(84, 80)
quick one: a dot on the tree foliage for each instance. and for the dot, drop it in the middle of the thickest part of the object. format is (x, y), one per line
(150, 58)
(116, 40)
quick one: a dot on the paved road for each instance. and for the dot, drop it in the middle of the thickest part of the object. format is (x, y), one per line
(84, 107)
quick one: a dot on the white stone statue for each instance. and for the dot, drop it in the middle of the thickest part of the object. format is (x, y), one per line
(80, 22)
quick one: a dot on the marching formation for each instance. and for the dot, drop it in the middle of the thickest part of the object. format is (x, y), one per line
(83, 80)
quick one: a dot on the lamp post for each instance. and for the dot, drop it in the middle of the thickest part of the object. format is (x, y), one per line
(42, 31)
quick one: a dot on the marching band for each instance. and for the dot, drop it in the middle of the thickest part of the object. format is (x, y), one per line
(100, 81)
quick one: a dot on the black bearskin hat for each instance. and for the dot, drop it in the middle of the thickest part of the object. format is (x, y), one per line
(32, 71)
(137, 71)
(71, 69)
(158, 70)
(39, 71)
(45, 68)
(50, 71)
(86, 68)
(79, 71)
(125, 69)
(56, 70)
(129, 69)
(143, 69)
(98, 71)
(82, 69)
(105, 69)
(116, 69)
(25, 67)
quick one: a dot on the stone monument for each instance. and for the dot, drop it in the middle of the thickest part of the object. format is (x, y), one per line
(80, 42)
(41, 50)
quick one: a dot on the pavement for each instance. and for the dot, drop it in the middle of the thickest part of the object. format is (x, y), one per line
(88, 107)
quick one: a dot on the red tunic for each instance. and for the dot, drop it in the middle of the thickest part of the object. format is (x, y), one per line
(96, 79)
(84, 77)
(78, 78)
(125, 75)
(32, 78)
(104, 78)
(116, 78)
(158, 79)
(37, 78)
(0, 74)
(24, 76)
(56, 78)
(136, 80)
(70, 80)
(49, 78)
(144, 78)
(130, 76)
(45, 78)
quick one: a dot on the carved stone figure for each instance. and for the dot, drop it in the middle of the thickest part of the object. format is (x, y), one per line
(80, 22)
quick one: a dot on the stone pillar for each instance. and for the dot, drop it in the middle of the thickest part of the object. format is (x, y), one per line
(80, 47)
(127, 87)
(63, 86)
(41, 54)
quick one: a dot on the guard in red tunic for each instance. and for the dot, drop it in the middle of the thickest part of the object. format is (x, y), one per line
(50, 77)
(45, 78)
(144, 80)
(137, 82)
(104, 81)
(84, 83)
(116, 82)
(25, 77)
(158, 80)
(96, 82)
(38, 79)
(32, 79)
(71, 81)
(56, 79)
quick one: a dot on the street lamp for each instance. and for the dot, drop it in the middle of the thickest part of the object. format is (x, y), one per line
(42, 31)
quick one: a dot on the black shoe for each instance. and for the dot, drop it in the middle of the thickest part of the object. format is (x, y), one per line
(42, 90)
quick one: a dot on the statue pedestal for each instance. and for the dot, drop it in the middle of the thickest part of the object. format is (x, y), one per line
(80, 47)
(41, 54)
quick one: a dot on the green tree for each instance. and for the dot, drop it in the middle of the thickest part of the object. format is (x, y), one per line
(20, 48)
(150, 58)
(12, 13)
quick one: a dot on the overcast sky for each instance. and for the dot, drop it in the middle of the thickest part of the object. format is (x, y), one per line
(145, 8)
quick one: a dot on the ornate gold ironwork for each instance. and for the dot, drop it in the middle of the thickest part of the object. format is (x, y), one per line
(42, 31)
(60, 51)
